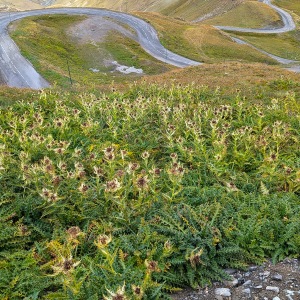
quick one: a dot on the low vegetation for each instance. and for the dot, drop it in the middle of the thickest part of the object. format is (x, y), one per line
(188, 10)
(293, 6)
(250, 14)
(135, 195)
(255, 81)
(284, 45)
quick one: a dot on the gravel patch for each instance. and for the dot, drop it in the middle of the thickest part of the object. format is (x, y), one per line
(267, 282)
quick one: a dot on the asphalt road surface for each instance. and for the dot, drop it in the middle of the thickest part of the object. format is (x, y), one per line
(16, 71)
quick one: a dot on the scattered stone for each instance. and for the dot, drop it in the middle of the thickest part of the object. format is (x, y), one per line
(273, 288)
(258, 287)
(247, 291)
(224, 292)
(264, 274)
(289, 292)
(247, 283)
(277, 277)
(269, 281)
(233, 283)
(230, 271)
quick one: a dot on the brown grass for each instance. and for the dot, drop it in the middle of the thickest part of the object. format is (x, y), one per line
(226, 76)
(249, 14)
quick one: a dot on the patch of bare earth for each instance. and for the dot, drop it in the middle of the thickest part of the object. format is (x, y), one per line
(95, 29)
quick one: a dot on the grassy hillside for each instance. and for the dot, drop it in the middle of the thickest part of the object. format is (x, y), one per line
(286, 45)
(140, 193)
(293, 5)
(253, 80)
(188, 10)
(14, 5)
(249, 14)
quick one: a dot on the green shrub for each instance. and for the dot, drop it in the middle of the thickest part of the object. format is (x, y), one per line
(137, 195)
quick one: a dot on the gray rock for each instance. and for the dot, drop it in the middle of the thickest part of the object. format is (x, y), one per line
(232, 283)
(289, 292)
(223, 292)
(258, 287)
(230, 271)
(247, 291)
(264, 274)
(273, 289)
(276, 298)
(252, 268)
(277, 277)
(247, 283)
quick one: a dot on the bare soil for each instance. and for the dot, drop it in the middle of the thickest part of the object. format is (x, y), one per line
(95, 29)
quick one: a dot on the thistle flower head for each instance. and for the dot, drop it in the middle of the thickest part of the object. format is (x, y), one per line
(152, 265)
(73, 233)
(137, 291)
(174, 156)
(108, 150)
(195, 257)
(118, 295)
(48, 195)
(112, 186)
(98, 171)
(102, 241)
(145, 155)
(132, 167)
(83, 187)
(142, 182)
(65, 265)
(155, 171)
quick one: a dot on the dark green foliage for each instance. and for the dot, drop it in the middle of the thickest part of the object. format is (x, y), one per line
(140, 194)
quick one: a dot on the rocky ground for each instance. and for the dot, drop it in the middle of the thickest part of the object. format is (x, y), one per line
(267, 282)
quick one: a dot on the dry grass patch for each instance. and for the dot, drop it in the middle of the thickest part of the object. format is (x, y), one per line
(228, 76)
(292, 5)
(250, 14)
(286, 45)
(188, 10)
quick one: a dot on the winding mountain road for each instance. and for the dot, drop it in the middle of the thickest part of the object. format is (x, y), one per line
(18, 72)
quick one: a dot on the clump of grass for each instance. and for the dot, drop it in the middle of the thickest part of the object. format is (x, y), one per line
(135, 195)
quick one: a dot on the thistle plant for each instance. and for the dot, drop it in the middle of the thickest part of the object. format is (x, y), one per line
(135, 195)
